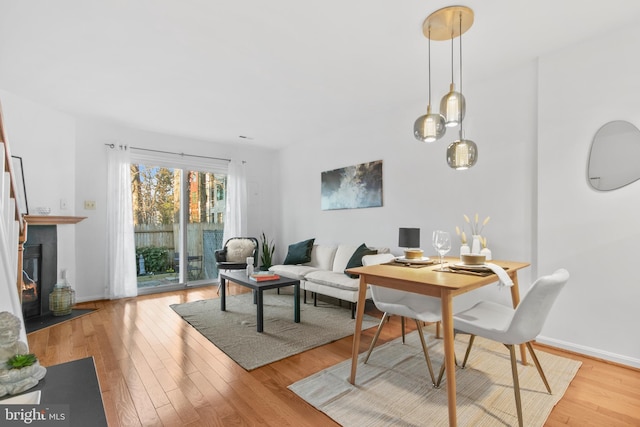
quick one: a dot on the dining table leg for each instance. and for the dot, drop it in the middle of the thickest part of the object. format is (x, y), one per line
(449, 353)
(362, 293)
(515, 299)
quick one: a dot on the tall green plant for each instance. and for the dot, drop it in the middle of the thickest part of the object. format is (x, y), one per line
(267, 248)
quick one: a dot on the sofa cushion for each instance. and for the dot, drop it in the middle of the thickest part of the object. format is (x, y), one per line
(322, 256)
(356, 259)
(239, 249)
(292, 271)
(299, 253)
(334, 279)
(343, 255)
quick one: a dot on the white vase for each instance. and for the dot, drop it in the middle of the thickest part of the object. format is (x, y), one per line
(475, 244)
(487, 253)
(464, 249)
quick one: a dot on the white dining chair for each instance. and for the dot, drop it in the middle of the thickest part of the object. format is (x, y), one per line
(513, 327)
(421, 308)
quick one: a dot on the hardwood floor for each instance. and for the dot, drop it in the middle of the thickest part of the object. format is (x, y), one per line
(156, 370)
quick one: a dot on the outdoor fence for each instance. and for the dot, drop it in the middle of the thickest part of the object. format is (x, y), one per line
(203, 239)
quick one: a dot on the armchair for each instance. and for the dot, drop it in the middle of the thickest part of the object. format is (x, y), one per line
(233, 256)
(234, 253)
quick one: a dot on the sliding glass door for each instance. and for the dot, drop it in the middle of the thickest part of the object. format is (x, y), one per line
(179, 217)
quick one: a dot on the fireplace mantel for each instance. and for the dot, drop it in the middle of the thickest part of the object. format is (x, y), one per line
(52, 220)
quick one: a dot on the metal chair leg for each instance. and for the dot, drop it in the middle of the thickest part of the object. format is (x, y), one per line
(455, 359)
(426, 352)
(538, 366)
(375, 337)
(466, 354)
(516, 383)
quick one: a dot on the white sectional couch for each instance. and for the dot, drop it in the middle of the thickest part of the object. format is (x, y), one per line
(325, 275)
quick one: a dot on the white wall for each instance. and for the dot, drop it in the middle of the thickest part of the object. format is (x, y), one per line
(533, 126)
(45, 139)
(420, 190)
(91, 185)
(595, 235)
(65, 158)
(530, 178)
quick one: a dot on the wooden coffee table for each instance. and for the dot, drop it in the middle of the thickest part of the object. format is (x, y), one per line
(241, 278)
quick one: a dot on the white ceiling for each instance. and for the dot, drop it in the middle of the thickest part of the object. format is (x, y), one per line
(271, 70)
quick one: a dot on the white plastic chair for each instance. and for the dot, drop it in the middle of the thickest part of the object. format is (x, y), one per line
(513, 327)
(421, 308)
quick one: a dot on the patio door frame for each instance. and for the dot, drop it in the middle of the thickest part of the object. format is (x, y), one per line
(184, 163)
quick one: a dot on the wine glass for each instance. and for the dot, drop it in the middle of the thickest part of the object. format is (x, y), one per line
(442, 245)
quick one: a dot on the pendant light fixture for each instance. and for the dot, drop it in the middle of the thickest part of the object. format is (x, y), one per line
(453, 105)
(462, 153)
(447, 24)
(431, 126)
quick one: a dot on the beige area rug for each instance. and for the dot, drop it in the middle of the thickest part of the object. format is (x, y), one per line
(394, 387)
(234, 331)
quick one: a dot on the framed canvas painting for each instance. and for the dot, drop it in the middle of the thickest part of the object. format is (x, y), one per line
(352, 187)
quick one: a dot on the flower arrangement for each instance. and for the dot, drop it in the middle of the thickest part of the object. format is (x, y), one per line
(476, 226)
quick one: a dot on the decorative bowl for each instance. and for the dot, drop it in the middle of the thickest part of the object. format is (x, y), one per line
(413, 253)
(473, 259)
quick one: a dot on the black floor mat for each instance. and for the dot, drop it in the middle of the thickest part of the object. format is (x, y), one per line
(35, 324)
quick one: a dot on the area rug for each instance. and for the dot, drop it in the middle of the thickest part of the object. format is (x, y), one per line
(234, 331)
(41, 322)
(394, 387)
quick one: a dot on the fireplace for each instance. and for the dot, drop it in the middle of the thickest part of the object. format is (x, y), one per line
(39, 270)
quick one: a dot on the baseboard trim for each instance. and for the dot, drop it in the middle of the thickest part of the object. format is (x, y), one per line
(590, 351)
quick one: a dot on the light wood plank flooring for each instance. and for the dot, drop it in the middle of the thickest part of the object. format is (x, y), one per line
(156, 370)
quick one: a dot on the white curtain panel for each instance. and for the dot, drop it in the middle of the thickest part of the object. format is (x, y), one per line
(121, 267)
(235, 222)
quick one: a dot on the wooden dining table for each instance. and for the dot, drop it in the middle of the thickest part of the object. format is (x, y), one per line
(427, 280)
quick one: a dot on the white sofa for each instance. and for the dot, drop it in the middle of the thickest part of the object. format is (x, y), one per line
(324, 274)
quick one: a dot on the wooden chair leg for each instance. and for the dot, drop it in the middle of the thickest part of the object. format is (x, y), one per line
(426, 352)
(375, 337)
(516, 382)
(402, 327)
(538, 366)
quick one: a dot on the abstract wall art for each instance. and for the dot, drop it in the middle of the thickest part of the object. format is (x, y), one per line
(352, 187)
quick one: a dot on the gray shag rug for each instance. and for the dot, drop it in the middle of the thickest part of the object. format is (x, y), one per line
(234, 331)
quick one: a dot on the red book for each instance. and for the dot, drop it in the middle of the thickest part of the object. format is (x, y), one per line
(264, 277)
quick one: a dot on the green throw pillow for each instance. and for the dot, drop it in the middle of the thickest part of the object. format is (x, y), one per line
(299, 253)
(356, 259)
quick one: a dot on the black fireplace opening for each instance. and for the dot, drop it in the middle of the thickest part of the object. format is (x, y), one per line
(39, 270)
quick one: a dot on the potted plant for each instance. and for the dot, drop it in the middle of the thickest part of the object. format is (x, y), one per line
(267, 248)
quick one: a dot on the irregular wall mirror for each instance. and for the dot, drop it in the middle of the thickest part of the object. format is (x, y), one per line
(613, 161)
